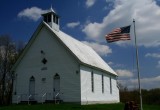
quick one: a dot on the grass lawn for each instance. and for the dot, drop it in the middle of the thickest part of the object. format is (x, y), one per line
(119, 106)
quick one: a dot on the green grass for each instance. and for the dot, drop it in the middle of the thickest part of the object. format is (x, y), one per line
(119, 106)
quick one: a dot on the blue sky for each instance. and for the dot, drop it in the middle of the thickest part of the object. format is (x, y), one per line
(89, 21)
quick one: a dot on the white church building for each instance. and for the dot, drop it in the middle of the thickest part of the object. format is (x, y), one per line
(55, 66)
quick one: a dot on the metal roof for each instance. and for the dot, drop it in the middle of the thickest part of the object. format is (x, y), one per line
(84, 53)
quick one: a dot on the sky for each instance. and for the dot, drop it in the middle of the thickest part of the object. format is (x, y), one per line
(89, 21)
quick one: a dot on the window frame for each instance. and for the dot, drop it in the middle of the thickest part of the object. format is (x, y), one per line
(92, 81)
(110, 79)
(102, 83)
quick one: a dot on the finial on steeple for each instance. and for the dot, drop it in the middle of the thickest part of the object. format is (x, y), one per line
(51, 7)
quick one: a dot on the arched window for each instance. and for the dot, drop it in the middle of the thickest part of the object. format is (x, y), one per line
(32, 86)
(56, 76)
(32, 78)
(56, 83)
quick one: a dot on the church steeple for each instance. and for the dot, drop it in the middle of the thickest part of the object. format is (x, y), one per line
(52, 19)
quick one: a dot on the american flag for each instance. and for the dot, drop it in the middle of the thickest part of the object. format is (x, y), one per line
(122, 33)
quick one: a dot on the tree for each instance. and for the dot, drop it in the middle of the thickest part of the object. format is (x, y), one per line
(20, 46)
(7, 59)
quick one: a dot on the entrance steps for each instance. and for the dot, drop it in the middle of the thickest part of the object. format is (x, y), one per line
(57, 101)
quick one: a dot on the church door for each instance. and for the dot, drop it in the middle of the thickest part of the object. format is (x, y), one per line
(32, 87)
(56, 84)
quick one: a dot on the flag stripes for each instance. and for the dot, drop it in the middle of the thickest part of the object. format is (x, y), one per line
(119, 34)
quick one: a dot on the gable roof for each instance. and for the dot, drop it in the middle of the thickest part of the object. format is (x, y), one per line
(85, 54)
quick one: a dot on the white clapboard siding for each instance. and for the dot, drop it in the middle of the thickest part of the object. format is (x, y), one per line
(59, 61)
(89, 97)
(72, 60)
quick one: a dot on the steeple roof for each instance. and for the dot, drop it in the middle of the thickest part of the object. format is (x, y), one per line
(51, 10)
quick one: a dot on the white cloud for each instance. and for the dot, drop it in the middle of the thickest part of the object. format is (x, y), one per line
(158, 65)
(116, 65)
(33, 13)
(154, 55)
(102, 50)
(110, 63)
(110, 0)
(147, 80)
(73, 24)
(146, 83)
(94, 31)
(90, 3)
(124, 73)
(146, 14)
(109, 4)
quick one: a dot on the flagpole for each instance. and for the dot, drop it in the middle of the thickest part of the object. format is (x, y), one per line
(139, 83)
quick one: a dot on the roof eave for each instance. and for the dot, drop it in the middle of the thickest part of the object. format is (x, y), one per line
(100, 69)
(33, 37)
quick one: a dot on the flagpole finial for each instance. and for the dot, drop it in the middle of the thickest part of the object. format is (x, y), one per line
(133, 20)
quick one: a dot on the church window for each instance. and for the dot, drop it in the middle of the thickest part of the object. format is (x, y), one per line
(44, 61)
(32, 87)
(43, 80)
(92, 81)
(110, 85)
(32, 78)
(102, 83)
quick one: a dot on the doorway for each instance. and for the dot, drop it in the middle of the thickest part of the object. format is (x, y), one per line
(32, 87)
(56, 83)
